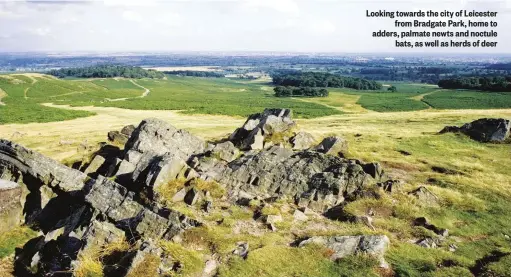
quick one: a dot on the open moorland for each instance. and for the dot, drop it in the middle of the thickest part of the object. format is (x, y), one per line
(471, 180)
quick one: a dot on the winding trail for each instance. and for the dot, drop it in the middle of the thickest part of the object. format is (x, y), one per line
(146, 93)
(420, 98)
(2, 95)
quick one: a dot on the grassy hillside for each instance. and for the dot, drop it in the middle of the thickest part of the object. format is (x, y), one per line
(23, 94)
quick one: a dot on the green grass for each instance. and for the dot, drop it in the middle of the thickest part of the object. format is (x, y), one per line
(14, 238)
(309, 261)
(460, 99)
(189, 95)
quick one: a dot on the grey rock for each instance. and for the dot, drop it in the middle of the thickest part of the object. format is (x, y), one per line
(425, 195)
(343, 246)
(128, 130)
(336, 146)
(390, 185)
(428, 243)
(302, 140)
(10, 195)
(316, 180)
(155, 140)
(210, 268)
(95, 164)
(423, 222)
(484, 129)
(225, 151)
(49, 172)
(241, 249)
(179, 196)
(272, 219)
(117, 137)
(193, 196)
(299, 216)
(261, 125)
(366, 220)
(375, 170)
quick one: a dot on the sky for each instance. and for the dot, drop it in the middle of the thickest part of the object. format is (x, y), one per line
(226, 25)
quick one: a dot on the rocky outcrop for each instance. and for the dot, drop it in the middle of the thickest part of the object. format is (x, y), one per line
(483, 130)
(156, 153)
(114, 197)
(82, 210)
(252, 134)
(316, 180)
(342, 246)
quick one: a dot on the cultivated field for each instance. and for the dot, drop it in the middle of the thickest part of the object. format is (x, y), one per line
(399, 130)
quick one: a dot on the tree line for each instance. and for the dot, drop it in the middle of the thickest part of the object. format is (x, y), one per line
(498, 84)
(282, 91)
(322, 80)
(107, 71)
(191, 73)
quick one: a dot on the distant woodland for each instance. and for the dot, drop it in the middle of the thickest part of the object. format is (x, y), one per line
(498, 84)
(282, 91)
(191, 73)
(322, 80)
(107, 71)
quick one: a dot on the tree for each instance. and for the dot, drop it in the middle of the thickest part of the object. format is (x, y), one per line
(392, 89)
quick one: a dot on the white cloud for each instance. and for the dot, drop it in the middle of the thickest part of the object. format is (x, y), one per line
(132, 16)
(284, 6)
(322, 27)
(41, 31)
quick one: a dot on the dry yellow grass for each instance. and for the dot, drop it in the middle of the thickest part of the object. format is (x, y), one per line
(61, 140)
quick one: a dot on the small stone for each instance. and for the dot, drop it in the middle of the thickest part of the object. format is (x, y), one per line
(95, 164)
(299, 216)
(210, 269)
(192, 196)
(272, 219)
(241, 249)
(207, 206)
(179, 196)
(336, 146)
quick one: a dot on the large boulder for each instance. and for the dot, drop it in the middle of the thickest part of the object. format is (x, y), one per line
(484, 130)
(263, 125)
(155, 146)
(343, 246)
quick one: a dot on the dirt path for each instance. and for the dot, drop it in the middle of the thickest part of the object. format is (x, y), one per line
(144, 94)
(420, 98)
(25, 93)
(2, 95)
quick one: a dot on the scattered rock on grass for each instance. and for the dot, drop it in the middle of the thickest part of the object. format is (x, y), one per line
(483, 130)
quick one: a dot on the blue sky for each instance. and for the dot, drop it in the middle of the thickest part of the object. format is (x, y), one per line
(229, 25)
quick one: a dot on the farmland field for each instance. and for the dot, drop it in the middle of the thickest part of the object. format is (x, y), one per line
(24, 94)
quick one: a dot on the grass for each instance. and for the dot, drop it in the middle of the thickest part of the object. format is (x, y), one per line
(191, 261)
(13, 238)
(189, 95)
(89, 262)
(308, 261)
